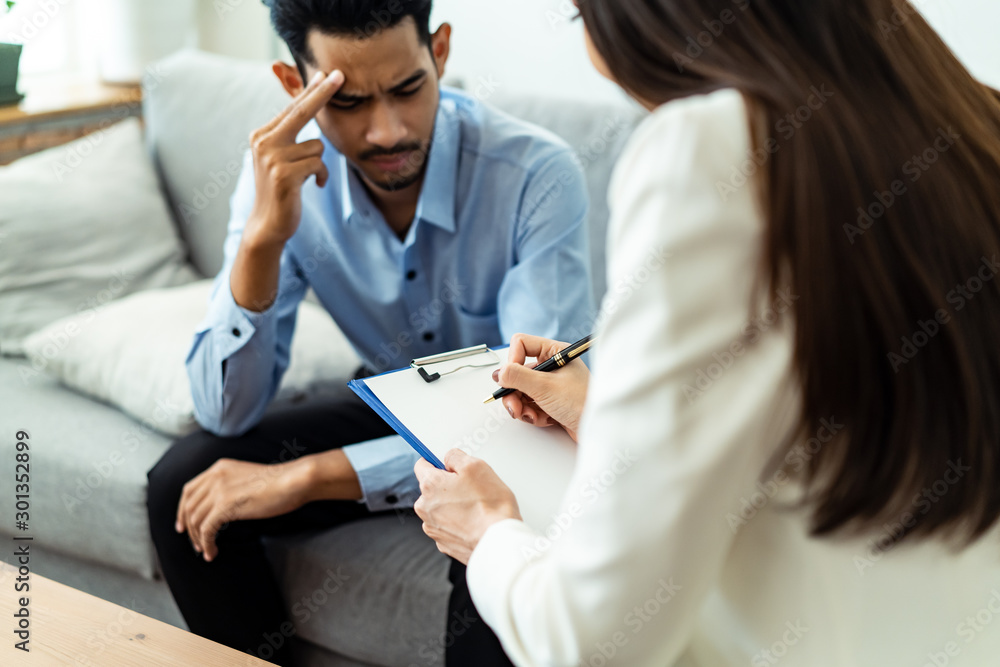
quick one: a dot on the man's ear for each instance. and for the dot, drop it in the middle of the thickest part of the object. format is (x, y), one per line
(289, 77)
(441, 47)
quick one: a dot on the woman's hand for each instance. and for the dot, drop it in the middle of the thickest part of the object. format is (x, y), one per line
(458, 505)
(232, 490)
(543, 399)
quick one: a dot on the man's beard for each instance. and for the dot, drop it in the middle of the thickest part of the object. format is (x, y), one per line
(402, 180)
(398, 183)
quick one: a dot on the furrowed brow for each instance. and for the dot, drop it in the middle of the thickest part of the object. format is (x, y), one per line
(347, 98)
(409, 82)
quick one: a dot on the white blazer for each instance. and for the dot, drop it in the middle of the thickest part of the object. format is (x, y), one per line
(675, 545)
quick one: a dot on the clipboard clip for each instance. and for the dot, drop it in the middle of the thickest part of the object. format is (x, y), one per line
(419, 364)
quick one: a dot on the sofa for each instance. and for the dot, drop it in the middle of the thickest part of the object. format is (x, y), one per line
(370, 593)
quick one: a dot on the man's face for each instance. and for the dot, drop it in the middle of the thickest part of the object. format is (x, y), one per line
(382, 118)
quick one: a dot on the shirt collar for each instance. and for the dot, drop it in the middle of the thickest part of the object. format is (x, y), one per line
(437, 196)
(355, 201)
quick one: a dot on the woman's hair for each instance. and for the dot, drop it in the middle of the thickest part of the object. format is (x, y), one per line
(877, 159)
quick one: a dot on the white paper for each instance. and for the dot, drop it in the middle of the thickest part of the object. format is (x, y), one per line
(536, 463)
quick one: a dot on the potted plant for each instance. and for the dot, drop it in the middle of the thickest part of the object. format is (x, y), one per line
(10, 56)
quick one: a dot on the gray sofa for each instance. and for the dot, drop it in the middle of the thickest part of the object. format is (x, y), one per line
(371, 593)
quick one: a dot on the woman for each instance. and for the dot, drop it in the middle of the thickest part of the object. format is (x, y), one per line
(808, 391)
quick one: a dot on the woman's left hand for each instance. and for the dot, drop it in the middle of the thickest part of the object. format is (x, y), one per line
(458, 505)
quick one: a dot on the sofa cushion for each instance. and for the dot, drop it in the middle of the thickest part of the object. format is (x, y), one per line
(107, 233)
(132, 354)
(199, 110)
(88, 470)
(88, 501)
(374, 590)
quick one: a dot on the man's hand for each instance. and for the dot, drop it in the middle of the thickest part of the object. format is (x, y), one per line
(543, 399)
(233, 490)
(458, 505)
(282, 166)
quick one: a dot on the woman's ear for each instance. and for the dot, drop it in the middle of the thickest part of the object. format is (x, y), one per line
(289, 77)
(441, 47)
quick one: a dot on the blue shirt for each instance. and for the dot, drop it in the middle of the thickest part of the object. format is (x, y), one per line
(498, 246)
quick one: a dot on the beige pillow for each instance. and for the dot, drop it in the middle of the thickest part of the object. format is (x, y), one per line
(131, 354)
(81, 225)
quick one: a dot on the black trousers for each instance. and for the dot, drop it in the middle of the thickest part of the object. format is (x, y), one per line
(235, 600)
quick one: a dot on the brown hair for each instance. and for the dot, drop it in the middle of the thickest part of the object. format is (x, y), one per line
(882, 213)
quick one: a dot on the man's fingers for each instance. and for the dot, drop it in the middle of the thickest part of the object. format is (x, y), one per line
(322, 176)
(305, 150)
(189, 492)
(208, 532)
(303, 169)
(310, 103)
(179, 522)
(194, 499)
(311, 85)
(196, 518)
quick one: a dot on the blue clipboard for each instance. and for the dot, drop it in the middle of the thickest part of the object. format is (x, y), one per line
(361, 389)
(537, 464)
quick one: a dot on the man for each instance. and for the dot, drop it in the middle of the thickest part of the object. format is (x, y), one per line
(424, 222)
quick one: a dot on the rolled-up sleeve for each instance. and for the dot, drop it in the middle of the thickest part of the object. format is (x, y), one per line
(238, 356)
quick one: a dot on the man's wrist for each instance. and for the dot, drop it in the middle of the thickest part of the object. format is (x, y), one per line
(259, 246)
(303, 478)
(326, 476)
(255, 274)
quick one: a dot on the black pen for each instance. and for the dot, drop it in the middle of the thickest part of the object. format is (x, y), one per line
(558, 360)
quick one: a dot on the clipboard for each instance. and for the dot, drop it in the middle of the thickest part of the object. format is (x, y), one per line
(434, 417)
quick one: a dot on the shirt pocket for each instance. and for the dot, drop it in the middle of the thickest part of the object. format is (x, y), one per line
(479, 329)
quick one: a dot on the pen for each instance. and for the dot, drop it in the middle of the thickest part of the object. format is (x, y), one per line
(558, 360)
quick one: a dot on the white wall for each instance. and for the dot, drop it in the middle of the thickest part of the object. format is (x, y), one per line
(529, 45)
(524, 45)
(517, 45)
(239, 28)
(970, 28)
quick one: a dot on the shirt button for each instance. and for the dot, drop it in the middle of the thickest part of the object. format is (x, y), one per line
(236, 332)
(411, 275)
(392, 499)
(429, 336)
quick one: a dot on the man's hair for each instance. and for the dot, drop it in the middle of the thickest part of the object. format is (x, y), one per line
(293, 19)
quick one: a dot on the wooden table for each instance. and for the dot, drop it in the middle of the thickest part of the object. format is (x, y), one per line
(56, 112)
(70, 627)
